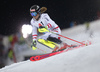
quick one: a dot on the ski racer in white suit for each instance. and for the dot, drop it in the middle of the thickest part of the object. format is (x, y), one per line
(42, 23)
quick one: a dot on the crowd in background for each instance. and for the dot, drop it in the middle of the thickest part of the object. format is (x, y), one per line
(7, 47)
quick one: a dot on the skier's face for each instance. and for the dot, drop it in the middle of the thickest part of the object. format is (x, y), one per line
(36, 17)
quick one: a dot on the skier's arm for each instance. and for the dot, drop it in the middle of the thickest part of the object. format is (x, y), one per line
(56, 30)
(34, 33)
(34, 36)
(52, 25)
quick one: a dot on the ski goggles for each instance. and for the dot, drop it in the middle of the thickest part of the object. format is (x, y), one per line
(33, 13)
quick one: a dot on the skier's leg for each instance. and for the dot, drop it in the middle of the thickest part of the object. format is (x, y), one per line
(60, 43)
(52, 41)
(47, 43)
(43, 40)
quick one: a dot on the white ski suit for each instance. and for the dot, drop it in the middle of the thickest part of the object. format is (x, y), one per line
(44, 20)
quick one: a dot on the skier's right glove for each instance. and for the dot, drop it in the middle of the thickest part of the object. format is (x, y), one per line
(43, 29)
(33, 45)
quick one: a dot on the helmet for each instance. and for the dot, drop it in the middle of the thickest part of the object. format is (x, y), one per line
(34, 10)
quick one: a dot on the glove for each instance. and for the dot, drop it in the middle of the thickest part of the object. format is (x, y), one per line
(43, 29)
(33, 45)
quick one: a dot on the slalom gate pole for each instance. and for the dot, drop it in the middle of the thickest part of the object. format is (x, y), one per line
(68, 38)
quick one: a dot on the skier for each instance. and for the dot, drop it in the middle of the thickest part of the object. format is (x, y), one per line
(43, 24)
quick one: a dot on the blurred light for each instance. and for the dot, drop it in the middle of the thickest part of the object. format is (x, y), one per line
(26, 30)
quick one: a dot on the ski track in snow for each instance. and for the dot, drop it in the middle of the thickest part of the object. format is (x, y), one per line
(84, 59)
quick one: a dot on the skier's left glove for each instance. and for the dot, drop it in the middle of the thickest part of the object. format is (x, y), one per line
(33, 45)
(43, 29)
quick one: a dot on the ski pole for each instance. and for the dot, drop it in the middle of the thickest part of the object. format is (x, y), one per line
(71, 39)
(68, 38)
(41, 50)
(38, 48)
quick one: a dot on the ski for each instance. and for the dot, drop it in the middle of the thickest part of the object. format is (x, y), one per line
(40, 57)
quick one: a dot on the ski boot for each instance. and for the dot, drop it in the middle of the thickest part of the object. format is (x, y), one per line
(63, 46)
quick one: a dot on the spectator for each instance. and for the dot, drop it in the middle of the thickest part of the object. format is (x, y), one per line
(2, 64)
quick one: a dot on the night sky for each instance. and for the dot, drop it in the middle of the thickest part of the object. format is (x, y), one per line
(15, 13)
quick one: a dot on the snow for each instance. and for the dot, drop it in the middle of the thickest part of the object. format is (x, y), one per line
(84, 59)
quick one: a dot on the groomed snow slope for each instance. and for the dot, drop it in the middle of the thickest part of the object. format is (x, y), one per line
(84, 59)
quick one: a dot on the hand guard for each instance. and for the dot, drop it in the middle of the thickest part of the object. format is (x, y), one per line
(33, 45)
(43, 29)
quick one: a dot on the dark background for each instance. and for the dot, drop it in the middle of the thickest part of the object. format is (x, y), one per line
(13, 14)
